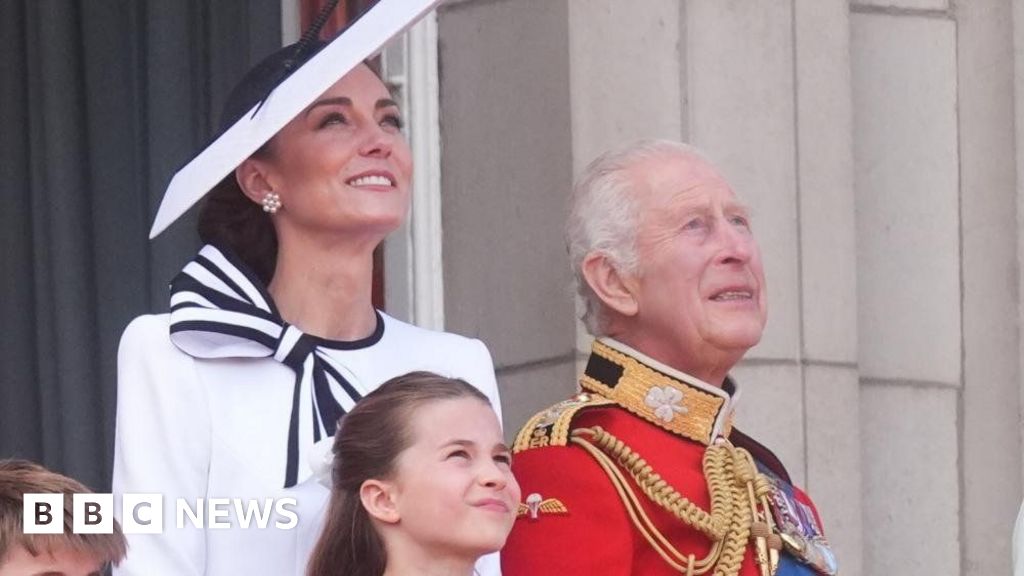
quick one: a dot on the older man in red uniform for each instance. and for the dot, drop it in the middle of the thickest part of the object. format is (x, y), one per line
(642, 472)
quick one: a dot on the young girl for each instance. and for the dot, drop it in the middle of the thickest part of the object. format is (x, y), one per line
(421, 483)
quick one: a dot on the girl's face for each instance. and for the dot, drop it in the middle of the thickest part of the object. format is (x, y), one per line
(342, 165)
(453, 487)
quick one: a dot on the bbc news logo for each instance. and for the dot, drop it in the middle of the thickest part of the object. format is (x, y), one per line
(144, 513)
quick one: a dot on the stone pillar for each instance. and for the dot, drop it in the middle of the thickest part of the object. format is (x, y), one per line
(904, 63)
(828, 270)
(990, 411)
(506, 166)
(627, 74)
(1018, 95)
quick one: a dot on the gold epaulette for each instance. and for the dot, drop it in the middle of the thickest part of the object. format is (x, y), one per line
(669, 399)
(551, 427)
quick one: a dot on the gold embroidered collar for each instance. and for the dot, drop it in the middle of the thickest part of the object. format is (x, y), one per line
(666, 397)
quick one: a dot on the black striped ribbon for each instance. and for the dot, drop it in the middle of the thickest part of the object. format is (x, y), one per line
(219, 309)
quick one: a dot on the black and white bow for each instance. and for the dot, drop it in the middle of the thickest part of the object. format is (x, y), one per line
(219, 309)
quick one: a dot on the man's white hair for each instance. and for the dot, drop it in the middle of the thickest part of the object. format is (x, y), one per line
(603, 216)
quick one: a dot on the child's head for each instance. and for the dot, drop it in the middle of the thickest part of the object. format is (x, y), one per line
(419, 464)
(65, 554)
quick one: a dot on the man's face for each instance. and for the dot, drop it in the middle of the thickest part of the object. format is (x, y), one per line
(61, 562)
(700, 286)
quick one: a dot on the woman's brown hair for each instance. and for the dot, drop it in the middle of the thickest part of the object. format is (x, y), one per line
(366, 446)
(228, 218)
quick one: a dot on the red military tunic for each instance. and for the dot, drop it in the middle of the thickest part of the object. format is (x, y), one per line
(576, 520)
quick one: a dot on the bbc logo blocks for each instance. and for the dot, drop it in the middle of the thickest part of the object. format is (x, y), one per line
(43, 514)
(144, 513)
(92, 513)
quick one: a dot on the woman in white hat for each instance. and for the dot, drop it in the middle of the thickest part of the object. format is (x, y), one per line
(272, 334)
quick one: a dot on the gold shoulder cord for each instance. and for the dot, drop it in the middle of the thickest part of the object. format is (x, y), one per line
(739, 505)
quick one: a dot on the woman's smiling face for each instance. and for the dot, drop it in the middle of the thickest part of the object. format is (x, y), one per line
(340, 166)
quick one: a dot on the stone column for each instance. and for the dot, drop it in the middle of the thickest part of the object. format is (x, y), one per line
(828, 270)
(990, 413)
(505, 170)
(904, 63)
(1018, 95)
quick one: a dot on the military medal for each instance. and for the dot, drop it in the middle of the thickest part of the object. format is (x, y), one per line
(799, 530)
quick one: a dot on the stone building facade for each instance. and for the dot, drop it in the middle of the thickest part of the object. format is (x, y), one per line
(876, 143)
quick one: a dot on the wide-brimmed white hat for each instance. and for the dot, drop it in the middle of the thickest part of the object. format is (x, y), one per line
(300, 88)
